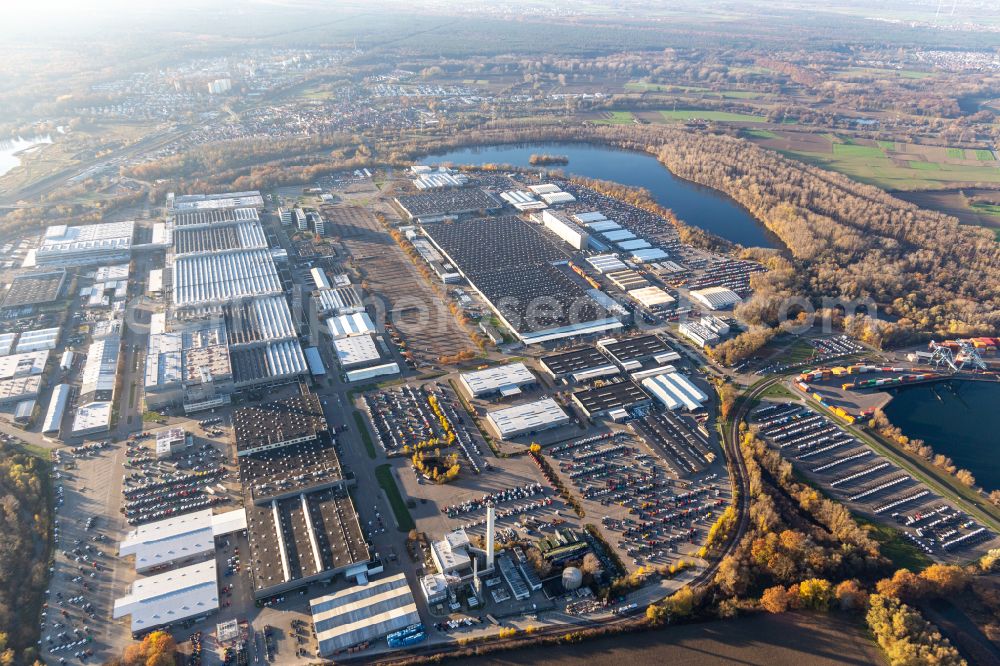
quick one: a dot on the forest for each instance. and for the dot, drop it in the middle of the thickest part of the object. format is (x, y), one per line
(25, 551)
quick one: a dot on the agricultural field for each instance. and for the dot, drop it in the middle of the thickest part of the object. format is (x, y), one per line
(882, 73)
(716, 116)
(957, 203)
(887, 164)
(643, 86)
(616, 118)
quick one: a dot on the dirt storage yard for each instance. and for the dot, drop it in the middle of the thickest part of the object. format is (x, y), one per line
(418, 313)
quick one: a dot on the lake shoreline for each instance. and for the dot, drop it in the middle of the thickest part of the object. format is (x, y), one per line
(693, 203)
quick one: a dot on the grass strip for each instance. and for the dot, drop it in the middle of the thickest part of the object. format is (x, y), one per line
(404, 521)
(365, 435)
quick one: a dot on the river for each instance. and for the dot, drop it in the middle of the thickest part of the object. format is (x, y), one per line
(697, 205)
(9, 149)
(957, 419)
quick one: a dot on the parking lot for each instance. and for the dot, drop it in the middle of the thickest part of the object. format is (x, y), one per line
(87, 576)
(854, 473)
(405, 421)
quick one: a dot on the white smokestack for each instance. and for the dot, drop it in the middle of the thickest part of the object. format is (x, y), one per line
(491, 516)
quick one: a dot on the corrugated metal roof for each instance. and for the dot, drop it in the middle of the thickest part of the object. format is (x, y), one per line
(170, 597)
(223, 277)
(358, 323)
(57, 408)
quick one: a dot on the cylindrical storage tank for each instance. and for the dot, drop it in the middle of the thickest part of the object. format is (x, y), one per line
(572, 578)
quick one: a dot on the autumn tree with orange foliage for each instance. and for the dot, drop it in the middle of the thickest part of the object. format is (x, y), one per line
(775, 599)
(157, 649)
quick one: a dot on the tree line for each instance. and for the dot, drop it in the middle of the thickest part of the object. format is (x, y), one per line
(25, 552)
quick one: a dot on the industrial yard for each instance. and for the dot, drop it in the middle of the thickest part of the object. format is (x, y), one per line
(485, 417)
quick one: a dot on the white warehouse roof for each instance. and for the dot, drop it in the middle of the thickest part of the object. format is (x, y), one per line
(493, 380)
(619, 235)
(43, 338)
(358, 323)
(7, 342)
(362, 374)
(587, 218)
(92, 417)
(716, 298)
(285, 358)
(62, 241)
(651, 297)
(675, 390)
(363, 613)
(179, 537)
(356, 350)
(529, 417)
(223, 277)
(634, 244)
(649, 254)
(606, 263)
(27, 363)
(603, 226)
(101, 366)
(558, 198)
(170, 597)
(547, 188)
(57, 408)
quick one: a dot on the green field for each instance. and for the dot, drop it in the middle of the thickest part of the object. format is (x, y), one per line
(617, 118)
(988, 209)
(366, 436)
(778, 391)
(854, 150)
(741, 94)
(404, 521)
(894, 545)
(984, 156)
(886, 145)
(869, 164)
(956, 153)
(877, 71)
(717, 116)
(662, 87)
(759, 134)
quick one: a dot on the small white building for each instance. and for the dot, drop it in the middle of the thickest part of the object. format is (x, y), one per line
(698, 334)
(651, 297)
(171, 442)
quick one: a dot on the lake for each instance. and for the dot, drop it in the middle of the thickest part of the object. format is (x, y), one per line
(957, 419)
(9, 149)
(697, 205)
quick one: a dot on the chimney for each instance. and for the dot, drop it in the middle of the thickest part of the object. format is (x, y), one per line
(490, 535)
